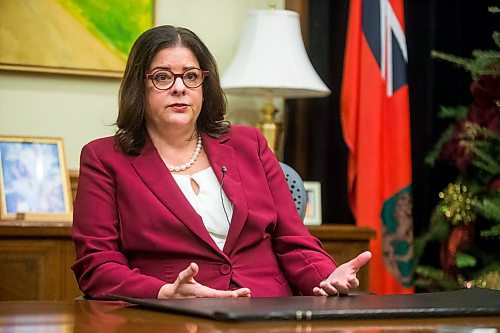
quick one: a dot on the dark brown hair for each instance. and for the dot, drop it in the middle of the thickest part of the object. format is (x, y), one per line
(131, 134)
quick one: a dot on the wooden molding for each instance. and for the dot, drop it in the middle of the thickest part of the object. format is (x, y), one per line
(73, 180)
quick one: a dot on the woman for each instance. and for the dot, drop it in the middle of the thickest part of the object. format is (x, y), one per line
(178, 193)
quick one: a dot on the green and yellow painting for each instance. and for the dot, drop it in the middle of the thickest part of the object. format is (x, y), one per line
(76, 36)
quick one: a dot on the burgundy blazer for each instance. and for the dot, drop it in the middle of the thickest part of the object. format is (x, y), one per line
(134, 230)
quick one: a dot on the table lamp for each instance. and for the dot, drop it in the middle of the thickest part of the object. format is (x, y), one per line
(271, 61)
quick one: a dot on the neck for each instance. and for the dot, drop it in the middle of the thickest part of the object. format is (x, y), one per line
(173, 139)
(177, 149)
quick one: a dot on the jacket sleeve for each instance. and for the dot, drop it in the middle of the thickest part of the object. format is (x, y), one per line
(300, 255)
(100, 267)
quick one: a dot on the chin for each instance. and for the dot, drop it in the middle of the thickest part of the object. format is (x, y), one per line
(181, 123)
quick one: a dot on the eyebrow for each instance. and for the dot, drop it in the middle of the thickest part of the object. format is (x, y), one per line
(169, 68)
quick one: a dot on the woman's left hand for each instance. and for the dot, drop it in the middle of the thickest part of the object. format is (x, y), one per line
(343, 279)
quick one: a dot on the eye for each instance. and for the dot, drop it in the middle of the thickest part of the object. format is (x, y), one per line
(162, 76)
(191, 75)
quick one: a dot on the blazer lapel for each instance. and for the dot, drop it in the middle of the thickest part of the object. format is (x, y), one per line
(221, 155)
(155, 175)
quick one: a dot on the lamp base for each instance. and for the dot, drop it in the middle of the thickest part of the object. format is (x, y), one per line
(271, 133)
(269, 127)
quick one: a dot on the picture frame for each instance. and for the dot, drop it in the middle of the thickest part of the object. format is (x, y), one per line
(313, 209)
(34, 180)
(90, 38)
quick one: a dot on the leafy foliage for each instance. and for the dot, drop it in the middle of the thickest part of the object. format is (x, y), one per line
(466, 221)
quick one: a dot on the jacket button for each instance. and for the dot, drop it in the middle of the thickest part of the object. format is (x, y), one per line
(225, 269)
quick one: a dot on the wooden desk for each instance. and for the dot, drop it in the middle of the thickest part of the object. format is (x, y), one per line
(35, 257)
(109, 317)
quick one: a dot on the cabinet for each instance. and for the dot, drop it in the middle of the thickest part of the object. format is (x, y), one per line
(35, 261)
(35, 257)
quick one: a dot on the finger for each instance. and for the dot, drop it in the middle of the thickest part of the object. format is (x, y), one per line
(342, 289)
(189, 273)
(361, 260)
(191, 328)
(209, 292)
(330, 289)
(243, 292)
(334, 287)
(353, 282)
(204, 291)
(319, 292)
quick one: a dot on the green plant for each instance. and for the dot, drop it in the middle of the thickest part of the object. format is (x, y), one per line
(466, 221)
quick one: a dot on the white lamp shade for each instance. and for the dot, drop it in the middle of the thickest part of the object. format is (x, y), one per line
(271, 59)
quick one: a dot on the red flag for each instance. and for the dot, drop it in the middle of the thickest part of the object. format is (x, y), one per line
(376, 128)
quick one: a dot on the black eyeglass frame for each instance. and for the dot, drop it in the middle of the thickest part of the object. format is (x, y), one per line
(150, 76)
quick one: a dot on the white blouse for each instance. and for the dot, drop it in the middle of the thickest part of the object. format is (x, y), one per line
(208, 203)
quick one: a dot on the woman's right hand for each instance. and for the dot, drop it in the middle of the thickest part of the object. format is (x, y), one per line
(185, 286)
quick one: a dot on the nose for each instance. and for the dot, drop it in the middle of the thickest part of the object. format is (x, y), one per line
(178, 88)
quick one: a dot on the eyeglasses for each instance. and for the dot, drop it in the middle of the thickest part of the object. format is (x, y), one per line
(164, 79)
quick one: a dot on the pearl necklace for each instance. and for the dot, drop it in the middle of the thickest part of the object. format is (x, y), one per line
(197, 151)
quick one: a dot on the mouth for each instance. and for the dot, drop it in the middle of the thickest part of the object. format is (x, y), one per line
(178, 106)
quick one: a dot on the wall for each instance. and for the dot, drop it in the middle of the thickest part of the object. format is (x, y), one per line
(79, 109)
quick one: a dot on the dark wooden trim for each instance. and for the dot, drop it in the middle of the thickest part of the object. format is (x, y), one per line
(341, 232)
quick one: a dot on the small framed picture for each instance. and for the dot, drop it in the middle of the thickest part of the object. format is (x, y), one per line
(34, 181)
(313, 208)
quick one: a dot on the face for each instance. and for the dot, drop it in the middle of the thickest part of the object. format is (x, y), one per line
(178, 107)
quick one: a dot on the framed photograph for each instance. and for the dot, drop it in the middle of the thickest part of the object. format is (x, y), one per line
(34, 181)
(90, 38)
(313, 208)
